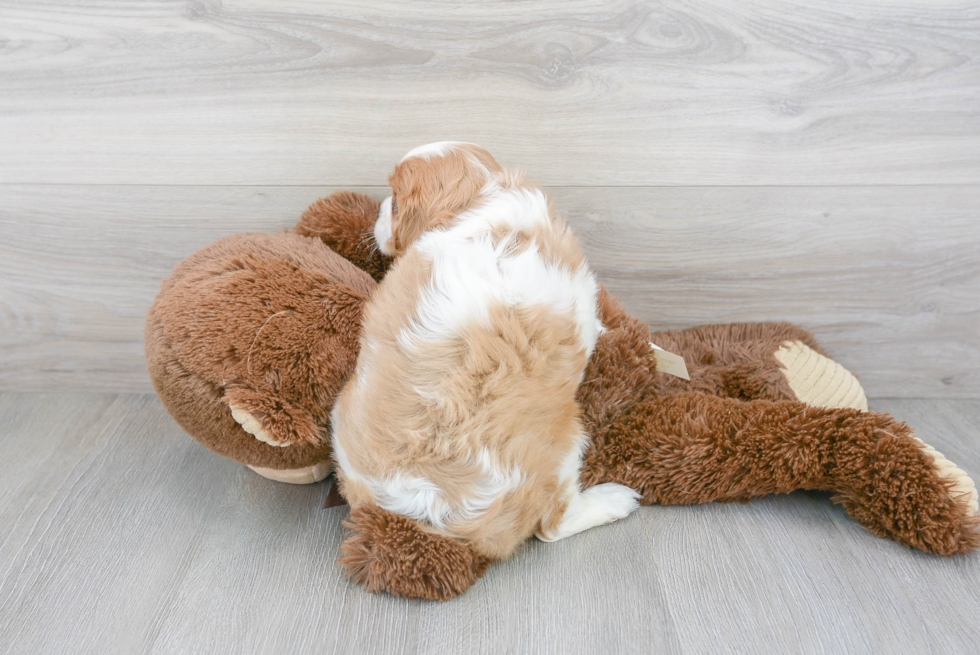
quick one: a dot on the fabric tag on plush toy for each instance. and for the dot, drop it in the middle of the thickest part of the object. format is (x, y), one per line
(669, 362)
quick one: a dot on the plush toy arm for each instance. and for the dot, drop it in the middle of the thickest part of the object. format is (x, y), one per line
(692, 448)
(748, 361)
(345, 220)
(387, 552)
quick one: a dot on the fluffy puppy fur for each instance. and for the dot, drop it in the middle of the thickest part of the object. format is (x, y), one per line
(461, 414)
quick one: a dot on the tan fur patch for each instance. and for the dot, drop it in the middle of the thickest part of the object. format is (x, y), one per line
(429, 193)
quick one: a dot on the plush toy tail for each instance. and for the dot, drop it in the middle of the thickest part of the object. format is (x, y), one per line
(387, 552)
(696, 449)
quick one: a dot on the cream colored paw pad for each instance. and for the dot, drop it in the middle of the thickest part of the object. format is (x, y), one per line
(251, 425)
(819, 381)
(305, 475)
(960, 483)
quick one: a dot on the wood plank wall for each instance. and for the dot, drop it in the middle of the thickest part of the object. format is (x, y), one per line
(722, 160)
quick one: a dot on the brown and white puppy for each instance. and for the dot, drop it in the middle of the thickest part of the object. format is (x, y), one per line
(461, 413)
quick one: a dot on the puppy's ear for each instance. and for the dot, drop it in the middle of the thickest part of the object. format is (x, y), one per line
(429, 193)
(414, 195)
(482, 156)
(387, 552)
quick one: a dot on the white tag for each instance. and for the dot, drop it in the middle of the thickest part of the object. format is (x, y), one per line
(669, 362)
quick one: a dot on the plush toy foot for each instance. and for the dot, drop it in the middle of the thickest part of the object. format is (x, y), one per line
(910, 492)
(817, 380)
(960, 486)
(305, 475)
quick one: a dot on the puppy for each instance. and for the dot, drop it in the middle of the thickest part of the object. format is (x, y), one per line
(461, 413)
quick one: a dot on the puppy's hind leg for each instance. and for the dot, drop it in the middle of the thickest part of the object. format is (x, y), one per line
(575, 510)
(598, 505)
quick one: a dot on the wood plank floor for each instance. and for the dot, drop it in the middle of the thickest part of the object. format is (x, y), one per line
(118, 533)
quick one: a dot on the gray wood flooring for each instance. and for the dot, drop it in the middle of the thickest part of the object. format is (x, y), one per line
(119, 534)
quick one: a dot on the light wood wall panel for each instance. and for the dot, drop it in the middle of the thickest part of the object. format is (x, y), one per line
(582, 92)
(888, 278)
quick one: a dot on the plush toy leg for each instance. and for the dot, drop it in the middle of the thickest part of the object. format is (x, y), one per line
(761, 361)
(692, 448)
(387, 552)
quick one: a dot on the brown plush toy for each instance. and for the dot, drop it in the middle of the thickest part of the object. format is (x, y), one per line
(251, 339)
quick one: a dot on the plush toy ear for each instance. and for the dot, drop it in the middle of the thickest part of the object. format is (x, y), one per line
(344, 221)
(387, 552)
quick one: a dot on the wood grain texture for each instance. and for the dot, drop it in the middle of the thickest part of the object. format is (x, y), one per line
(582, 92)
(118, 533)
(888, 278)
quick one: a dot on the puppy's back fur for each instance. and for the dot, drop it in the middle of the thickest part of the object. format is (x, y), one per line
(461, 414)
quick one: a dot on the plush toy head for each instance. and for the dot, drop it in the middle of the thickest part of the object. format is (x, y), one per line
(251, 339)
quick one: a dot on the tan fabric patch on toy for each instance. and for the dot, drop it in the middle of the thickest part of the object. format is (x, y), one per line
(960, 483)
(252, 425)
(819, 381)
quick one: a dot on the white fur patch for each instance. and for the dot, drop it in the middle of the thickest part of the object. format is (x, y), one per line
(382, 229)
(470, 273)
(430, 150)
(421, 499)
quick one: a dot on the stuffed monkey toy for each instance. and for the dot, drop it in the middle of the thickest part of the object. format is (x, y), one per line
(251, 339)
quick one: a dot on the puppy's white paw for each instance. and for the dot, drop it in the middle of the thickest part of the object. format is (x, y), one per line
(610, 501)
(251, 425)
(598, 505)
